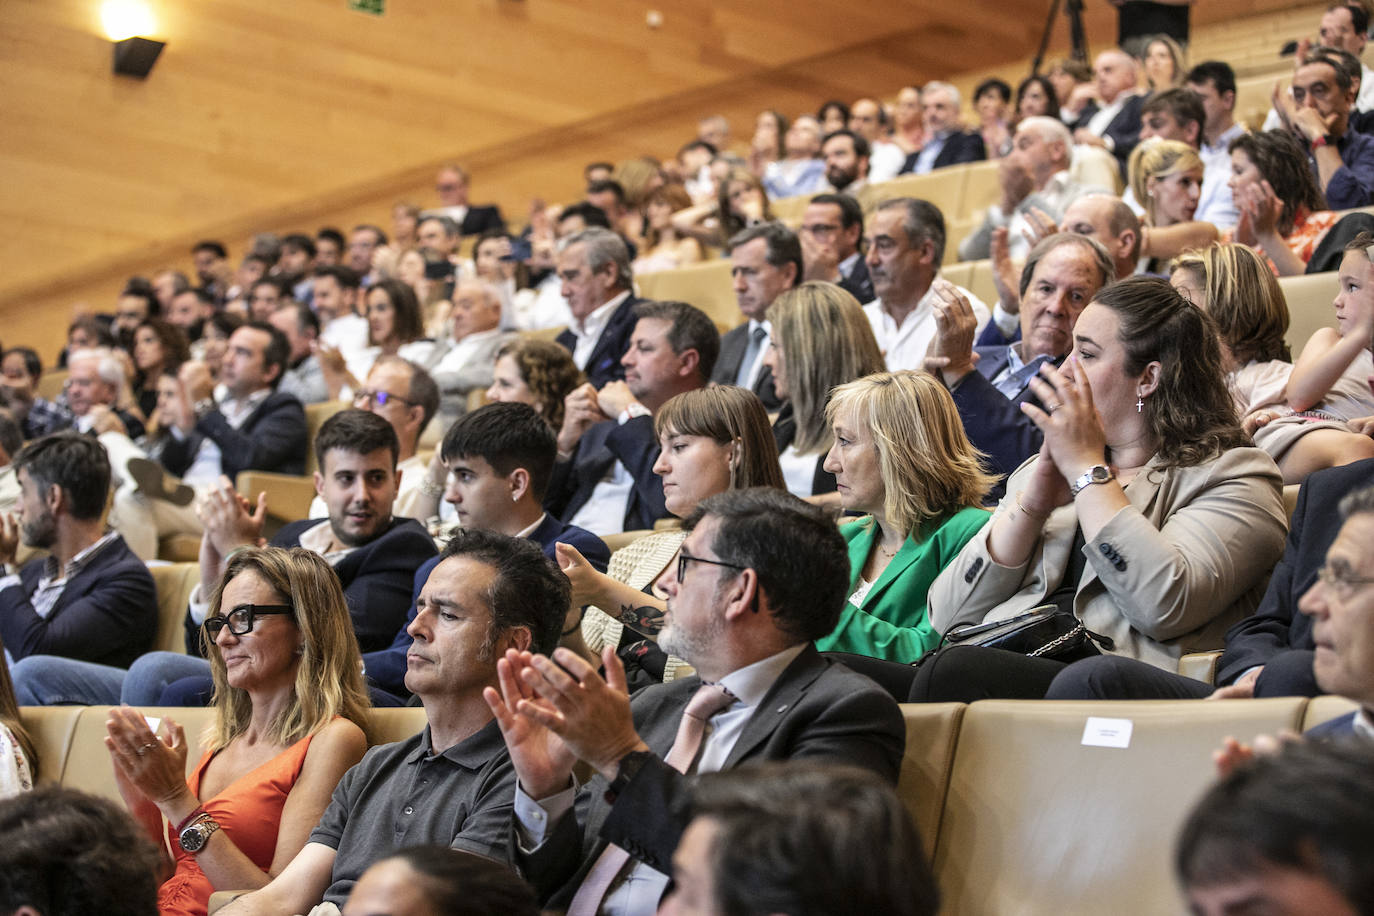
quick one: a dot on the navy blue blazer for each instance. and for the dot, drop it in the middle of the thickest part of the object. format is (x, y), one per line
(1337, 729)
(994, 423)
(481, 219)
(960, 146)
(273, 438)
(1277, 626)
(107, 612)
(732, 347)
(376, 579)
(633, 445)
(858, 283)
(386, 668)
(817, 709)
(1124, 129)
(604, 364)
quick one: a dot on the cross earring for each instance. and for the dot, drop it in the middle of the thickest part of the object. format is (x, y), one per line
(1139, 405)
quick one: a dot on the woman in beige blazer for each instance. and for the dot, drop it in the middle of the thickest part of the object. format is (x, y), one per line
(1176, 518)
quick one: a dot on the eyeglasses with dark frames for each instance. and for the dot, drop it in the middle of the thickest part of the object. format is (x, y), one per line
(240, 620)
(683, 558)
(1340, 582)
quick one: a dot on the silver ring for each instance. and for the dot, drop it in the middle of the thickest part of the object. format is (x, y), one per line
(1053, 407)
(142, 749)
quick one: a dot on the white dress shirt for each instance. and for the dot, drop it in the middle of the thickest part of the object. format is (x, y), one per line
(904, 346)
(588, 331)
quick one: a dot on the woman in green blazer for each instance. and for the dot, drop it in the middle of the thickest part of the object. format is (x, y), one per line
(900, 454)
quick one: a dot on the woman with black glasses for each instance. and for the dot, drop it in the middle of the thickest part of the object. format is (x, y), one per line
(290, 707)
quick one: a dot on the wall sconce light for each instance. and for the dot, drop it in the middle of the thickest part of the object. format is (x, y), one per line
(125, 22)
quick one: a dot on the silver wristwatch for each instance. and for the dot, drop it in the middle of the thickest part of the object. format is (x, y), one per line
(194, 837)
(1098, 473)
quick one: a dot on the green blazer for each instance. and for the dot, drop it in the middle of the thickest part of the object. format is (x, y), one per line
(892, 623)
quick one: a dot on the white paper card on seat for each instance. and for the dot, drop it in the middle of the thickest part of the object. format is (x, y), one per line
(1103, 732)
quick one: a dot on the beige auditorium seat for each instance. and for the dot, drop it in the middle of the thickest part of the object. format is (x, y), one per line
(1309, 299)
(706, 285)
(932, 731)
(174, 583)
(980, 282)
(1036, 822)
(789, 210)
(944, 188)
(52, 729)
(982, 189)
(390, 725)
(88, 765)
(315, 415)
(1324, 709)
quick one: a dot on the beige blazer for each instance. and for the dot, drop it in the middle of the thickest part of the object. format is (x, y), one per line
(1167, 575)
(636, 565)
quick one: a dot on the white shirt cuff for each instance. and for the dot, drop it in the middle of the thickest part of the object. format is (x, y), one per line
(534, 818)
(1006, 322)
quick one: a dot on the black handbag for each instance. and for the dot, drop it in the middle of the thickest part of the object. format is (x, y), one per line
(1042, 632)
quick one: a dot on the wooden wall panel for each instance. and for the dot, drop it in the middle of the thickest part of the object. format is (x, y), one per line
(294, 115)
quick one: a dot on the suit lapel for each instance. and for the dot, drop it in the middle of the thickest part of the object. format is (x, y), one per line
(785, 694)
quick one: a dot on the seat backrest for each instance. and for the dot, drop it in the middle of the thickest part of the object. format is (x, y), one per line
(706, 285)
(1039, 811)
(52, 729)
(315, 415)
(1324, 709)
(932, 730)
(88, 766)
(174, 583)
(1309, 306)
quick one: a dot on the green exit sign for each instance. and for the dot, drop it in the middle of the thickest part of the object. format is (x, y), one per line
(373, 7)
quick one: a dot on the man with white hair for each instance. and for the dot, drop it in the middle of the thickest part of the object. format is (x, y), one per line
(594, 265)
(94, 380)
(945, 143)
(466, 364)
(1034, 175)
(1115, 126)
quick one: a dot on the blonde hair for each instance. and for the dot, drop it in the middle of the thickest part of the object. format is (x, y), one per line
(929, 467)
(1175, 51)
(1157, 158)
(636, 176)
(9, 716)
(826, 340)
(725, 413)
(328, 681)
(1244, 299)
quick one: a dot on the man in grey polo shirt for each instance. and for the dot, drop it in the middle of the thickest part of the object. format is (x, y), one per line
(452, 783)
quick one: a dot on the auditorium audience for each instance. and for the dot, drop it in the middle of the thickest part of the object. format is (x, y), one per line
(799, 838)
(452, 783)
(1166, 176)
(900, 457)
(908, 121)
(832, 240)
(1237, 289)
(740, 201)
(290, 714)
(710, 440)
(1115, 125)
(594, 267)
(664, 248)
(1147, 513)
(451, 184)
(947, 143)
(158, 347)
(759, 576)
(97, 397)
(821, 339)
(604, 479)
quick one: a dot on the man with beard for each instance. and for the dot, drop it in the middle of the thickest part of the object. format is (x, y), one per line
(846, 161)
(90, 598)
(760, 576)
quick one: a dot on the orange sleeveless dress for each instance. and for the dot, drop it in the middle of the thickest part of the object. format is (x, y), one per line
(248, 811)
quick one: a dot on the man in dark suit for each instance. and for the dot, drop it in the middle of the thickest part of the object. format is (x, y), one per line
(832, 235)
(946, 143)
(604, 478)
(91, 598)
(594, 265)
(499, 459)
(1269, 653)
(765, 261)
(254, 427)
(762, 574)
(1115, 126)
(989, 384)
(452, 185)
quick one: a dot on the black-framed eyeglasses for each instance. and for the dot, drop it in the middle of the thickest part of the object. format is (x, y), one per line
(380, 398)
(1340, 582)
(683, 558)
(240, 620)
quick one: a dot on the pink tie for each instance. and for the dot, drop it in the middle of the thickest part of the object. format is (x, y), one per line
(705, 703)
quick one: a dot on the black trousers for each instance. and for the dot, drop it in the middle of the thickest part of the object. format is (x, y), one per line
(1108, 677)
(963, 674)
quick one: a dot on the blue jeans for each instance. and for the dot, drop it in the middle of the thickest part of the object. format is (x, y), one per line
(46, 680)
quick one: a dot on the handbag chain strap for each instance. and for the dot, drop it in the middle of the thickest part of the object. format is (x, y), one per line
(1054, 644)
